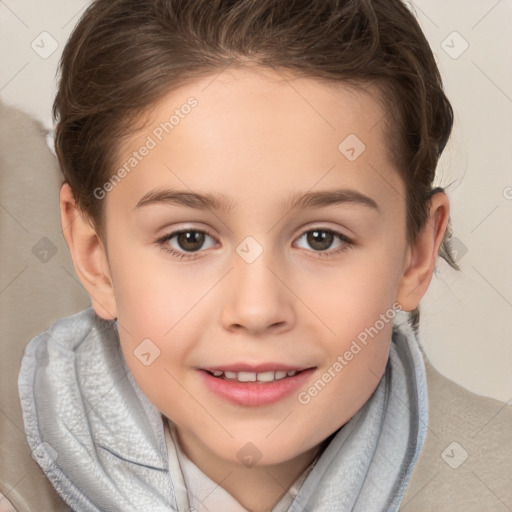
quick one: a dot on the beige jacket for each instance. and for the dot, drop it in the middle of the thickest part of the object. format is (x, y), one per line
(465, 465)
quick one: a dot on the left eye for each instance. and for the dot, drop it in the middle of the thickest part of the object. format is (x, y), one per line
(322, 239)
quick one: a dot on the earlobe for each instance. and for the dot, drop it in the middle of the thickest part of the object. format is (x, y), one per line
(422, 255)
(88, 254)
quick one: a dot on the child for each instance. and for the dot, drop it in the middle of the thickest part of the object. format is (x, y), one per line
(248, 202)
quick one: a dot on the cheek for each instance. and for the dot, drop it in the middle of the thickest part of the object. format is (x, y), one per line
(351, 294)
(354, 301)
(153, 295)
(356, 360)
(164, 385)
(156, 344)
(155, 336)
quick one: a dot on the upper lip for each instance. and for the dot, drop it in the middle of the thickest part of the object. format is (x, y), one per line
(254, 368)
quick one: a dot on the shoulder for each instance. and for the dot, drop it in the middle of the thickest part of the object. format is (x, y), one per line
(466, 461)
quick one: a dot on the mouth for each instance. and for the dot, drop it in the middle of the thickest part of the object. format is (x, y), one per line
(244, 376)
(255, 386)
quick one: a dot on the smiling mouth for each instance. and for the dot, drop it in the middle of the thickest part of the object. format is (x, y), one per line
(269, 376)
(255, 385)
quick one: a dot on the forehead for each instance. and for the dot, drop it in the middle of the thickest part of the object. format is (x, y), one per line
(261, 100)
(255, 128)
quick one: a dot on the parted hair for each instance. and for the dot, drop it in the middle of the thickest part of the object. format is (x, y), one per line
(125, 55)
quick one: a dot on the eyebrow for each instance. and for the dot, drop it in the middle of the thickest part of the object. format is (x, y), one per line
(220, 202)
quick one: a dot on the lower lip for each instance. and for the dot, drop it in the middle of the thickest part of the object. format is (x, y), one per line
(255, 394)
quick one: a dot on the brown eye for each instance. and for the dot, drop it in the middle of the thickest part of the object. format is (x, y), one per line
(186, 241)
(320, 240)
(323, 240)
(190, 240)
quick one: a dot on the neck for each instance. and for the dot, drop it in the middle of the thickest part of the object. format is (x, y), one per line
(256, 488)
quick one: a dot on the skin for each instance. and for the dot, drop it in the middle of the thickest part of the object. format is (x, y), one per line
(257, 136)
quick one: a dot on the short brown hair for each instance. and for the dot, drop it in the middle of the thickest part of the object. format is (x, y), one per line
(124, 55)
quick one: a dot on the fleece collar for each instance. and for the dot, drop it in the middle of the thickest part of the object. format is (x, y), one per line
(102, 444)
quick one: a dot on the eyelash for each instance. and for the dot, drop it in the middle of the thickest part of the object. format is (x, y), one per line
(347, 243)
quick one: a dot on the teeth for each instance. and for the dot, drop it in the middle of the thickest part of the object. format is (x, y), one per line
(246, 377)
(265, 376)
(253, 377)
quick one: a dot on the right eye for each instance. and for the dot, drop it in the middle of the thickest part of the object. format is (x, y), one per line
(179, 243)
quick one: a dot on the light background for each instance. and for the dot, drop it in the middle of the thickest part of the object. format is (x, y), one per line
(466, 320)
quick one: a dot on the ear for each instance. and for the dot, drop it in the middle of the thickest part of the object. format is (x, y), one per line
(88, 254)
(422, 254)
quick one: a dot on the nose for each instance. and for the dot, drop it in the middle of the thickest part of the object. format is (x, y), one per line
(255, 300)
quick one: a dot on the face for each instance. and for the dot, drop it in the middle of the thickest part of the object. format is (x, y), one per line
(251, 246)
